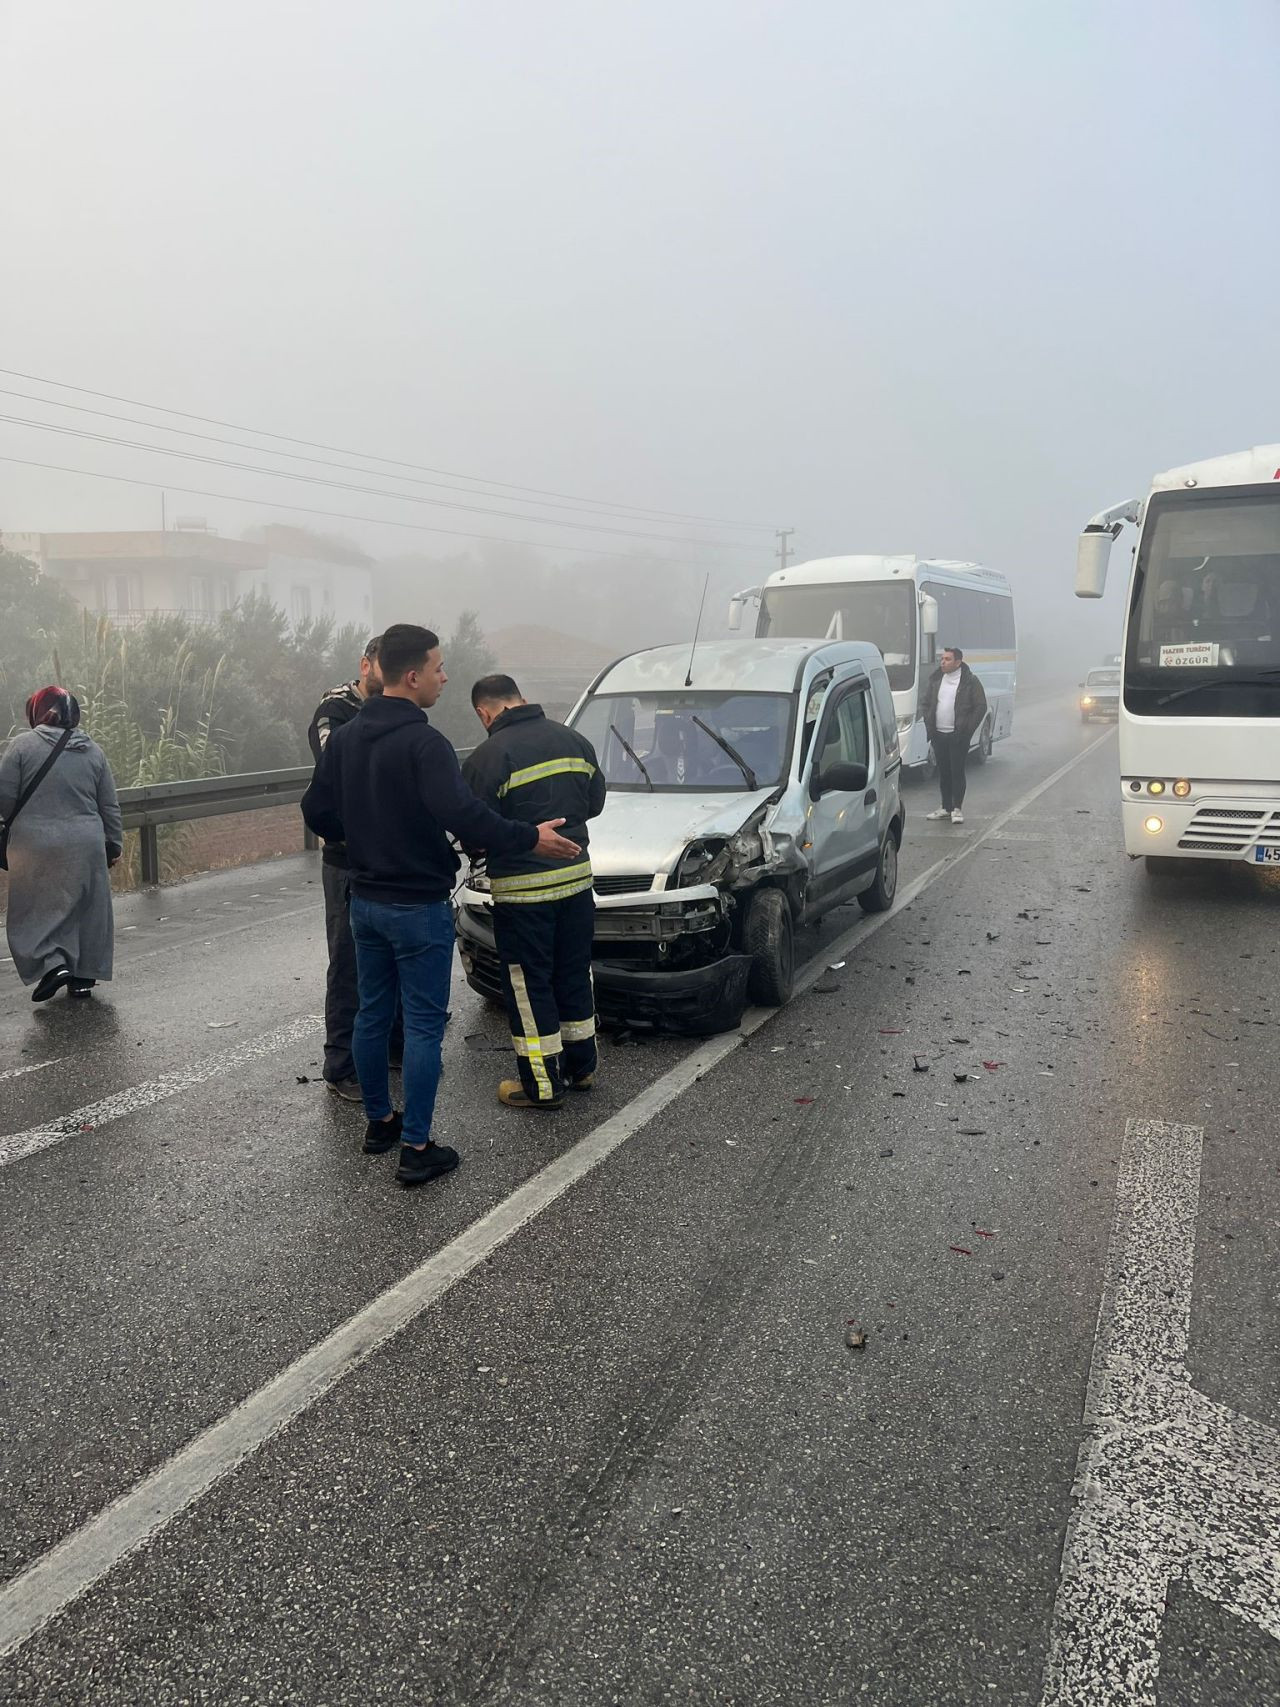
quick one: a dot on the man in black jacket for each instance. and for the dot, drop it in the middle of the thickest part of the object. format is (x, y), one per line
(953, 708)
(388, 784)
(341, 997)
(543, 920)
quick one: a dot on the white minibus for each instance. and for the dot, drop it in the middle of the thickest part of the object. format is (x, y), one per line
(1200, 696)
(910, 608)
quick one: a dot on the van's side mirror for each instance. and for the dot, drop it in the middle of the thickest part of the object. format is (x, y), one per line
(837, 779)
(928, 614)
(735, 614)
(1093, 552)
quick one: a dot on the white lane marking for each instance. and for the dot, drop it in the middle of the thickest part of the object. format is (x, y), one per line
(1171, 1486)
(137, 1097)
(69, 1569)
(35, 1067)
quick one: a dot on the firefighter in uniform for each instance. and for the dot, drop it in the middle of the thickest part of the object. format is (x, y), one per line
(534, 769)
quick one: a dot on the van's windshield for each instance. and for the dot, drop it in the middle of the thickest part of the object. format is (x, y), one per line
(667, 741)
(882, 612)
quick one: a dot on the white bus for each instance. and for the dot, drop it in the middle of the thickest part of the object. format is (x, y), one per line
(910, 607)
(1200, 697)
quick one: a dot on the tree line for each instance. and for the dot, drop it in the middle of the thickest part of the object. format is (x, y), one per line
(171, 699)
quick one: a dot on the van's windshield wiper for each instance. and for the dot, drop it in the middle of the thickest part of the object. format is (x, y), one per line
(614, 730)
(1255, 679)
(737, 758)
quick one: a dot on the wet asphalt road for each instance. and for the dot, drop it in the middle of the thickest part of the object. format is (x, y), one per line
(629, 1457)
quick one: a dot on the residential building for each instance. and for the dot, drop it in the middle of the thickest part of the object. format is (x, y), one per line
(190, 570)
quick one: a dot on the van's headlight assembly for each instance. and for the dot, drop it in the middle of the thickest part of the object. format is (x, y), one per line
(1086, 700)
(703, 862)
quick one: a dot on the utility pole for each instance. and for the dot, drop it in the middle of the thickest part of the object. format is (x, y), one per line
(164, 528)
(784, 550)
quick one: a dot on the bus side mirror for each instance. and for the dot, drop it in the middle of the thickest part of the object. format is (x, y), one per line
(735, 614)
(928, 614)
(1092, 555)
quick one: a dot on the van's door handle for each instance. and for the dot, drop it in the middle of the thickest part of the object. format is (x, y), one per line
(871, 797)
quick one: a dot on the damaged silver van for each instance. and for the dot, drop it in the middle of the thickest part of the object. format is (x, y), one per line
(751, 789)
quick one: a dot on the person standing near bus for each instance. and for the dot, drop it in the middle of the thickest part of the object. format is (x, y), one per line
(954, 706)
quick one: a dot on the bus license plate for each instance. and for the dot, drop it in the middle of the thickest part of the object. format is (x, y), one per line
(1266, 856)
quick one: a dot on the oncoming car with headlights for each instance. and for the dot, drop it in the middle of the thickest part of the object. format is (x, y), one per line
(751, 790)
(1100, 695)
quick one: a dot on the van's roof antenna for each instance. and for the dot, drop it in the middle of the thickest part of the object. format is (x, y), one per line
(697, 628)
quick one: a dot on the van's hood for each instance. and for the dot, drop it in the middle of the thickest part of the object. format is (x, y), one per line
(645, 832)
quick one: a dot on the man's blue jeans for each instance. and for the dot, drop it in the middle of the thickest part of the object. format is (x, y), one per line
(404, 950)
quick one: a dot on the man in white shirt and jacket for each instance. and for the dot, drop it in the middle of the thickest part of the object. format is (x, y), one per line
(953, 709)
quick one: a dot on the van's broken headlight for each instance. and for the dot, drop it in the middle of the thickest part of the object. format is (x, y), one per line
(703, 862)
(715, 859)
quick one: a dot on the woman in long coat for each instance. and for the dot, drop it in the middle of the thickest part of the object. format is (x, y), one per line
(60, 925)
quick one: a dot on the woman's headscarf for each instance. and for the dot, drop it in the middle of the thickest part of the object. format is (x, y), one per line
(54, 708)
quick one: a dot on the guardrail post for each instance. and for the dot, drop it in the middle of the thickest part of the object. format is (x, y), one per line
(149, 854)
(310, 840)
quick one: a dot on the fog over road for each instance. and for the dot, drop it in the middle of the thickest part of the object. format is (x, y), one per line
(596, 1434)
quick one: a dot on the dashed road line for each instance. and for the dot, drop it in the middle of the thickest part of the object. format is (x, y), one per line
(1171, 1486)
(71, 1568)
(95, 1115)
(34, 1067)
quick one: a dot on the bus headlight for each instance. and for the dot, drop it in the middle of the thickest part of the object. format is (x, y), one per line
(1182, 788)
(1153, 826)
(1155, 788)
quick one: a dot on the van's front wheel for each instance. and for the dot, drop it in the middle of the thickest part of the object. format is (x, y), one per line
(879, 898)
(986, 740)
(770, 941)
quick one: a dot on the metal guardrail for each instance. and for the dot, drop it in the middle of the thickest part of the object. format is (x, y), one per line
(146, 809)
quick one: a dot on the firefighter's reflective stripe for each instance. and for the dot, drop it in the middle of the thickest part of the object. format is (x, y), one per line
(549, 768)
(577, 1030)
(543, 885)
(532, 1050)
(544, 1045)
(544, 895)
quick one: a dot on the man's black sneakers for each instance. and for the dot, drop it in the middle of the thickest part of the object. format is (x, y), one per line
(419, 1166)
(383, 1135)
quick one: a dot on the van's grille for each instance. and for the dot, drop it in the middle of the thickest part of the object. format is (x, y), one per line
(638, 884)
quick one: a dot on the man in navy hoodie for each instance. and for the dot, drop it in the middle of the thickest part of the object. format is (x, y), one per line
(389, 786)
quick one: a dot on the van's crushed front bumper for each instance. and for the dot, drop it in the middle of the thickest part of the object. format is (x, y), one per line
(660, 960)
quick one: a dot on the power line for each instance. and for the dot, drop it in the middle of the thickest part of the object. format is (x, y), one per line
(339, 515)
(370, 456)
(582, 506)
(349, 486)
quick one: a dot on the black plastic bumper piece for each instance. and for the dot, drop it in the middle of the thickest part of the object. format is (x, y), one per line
(696, 1001)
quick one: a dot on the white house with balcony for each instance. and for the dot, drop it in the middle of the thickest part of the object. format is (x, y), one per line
(191, 571)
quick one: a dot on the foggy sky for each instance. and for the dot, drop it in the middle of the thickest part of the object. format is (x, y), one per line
(911, 277)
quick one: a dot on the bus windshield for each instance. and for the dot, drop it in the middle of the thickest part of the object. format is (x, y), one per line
(1204, 623)
(689, 740)
(882, 612)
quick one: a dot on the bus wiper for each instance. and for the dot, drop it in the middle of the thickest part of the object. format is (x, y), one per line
(614, 730)
(1257, 679)
(737, 758)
